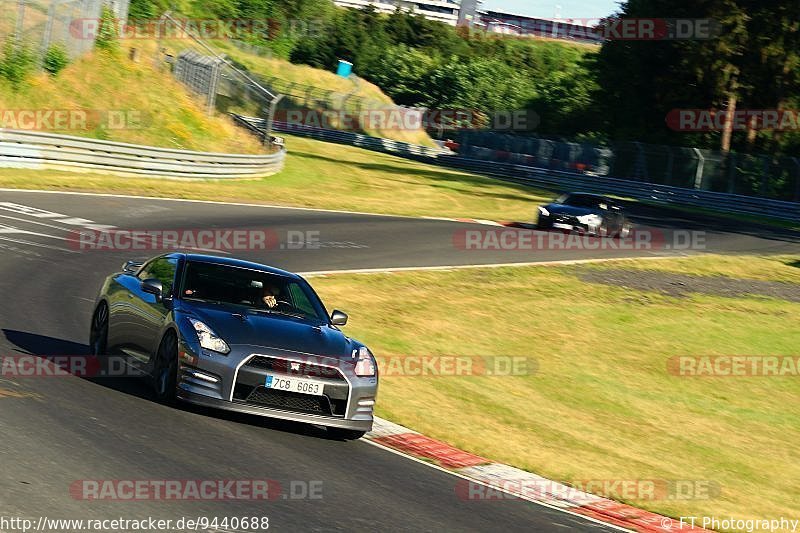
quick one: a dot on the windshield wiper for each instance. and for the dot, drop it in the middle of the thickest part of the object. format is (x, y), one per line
(277, 312)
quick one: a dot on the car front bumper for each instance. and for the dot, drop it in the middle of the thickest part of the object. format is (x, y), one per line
(563, 223)
(234, 382)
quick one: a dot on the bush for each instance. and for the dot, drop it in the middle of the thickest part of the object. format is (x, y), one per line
(55, 59)
(107, 33)
(17, 63)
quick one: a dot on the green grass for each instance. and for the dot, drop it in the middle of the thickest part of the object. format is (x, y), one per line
(169, 115)
(602, 404)
(352, 179)
(303, 75)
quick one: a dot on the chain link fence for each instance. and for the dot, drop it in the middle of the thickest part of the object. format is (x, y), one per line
(208, 73)
(300, 95)
(39, 24)
(744, 174)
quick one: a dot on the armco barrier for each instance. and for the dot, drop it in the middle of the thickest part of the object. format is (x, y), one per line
(377, 144)
(37, 150)
(555, 180)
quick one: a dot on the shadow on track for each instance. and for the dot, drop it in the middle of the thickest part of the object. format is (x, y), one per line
(139, 387)
(671, 218)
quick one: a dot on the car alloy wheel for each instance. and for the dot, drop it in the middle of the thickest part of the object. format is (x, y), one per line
(98, 338)
(165, 374)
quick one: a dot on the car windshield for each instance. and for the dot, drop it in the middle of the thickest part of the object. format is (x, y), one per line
(258, 291)
(582, 200)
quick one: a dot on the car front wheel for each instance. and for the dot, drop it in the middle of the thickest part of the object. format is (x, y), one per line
(165, 373)
(98, 338)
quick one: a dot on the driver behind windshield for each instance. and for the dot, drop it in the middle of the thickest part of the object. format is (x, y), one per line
(269, 295)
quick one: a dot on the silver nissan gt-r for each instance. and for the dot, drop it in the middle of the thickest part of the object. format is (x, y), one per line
(239, 336)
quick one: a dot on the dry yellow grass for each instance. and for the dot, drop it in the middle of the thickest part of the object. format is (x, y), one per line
(164, 113)
(602, 405)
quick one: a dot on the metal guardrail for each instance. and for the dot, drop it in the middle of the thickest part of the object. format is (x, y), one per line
(345, 137)
(26, 149)
(559, 181)
(643, 191)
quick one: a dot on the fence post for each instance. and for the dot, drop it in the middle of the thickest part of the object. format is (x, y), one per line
(271, 118)
(668, 172)
(765, 177)
(640, 165)
(698, 175)
(797, 183)
(48, 30)
(211, 97)
(19, 27)
(731, 172)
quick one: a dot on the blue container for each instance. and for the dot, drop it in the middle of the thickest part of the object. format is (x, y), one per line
(345, 68)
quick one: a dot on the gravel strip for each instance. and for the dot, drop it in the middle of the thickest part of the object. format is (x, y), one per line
(682, 285)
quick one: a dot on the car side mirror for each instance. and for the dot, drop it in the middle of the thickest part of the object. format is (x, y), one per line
(154, 287)
(338, 318)
(131, 267)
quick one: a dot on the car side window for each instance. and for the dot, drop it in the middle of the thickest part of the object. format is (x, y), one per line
(300, 300)
(163, 269)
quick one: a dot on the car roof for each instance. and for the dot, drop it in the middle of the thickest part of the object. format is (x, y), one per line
(239, 263)
(593, 195)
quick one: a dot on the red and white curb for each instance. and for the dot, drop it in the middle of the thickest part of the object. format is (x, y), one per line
(482, 479)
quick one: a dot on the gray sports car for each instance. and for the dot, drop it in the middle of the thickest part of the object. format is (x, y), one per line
(589, 214)
(236, 335)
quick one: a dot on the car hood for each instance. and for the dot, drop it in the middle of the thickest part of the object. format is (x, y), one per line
(236, 325)
(562, 209)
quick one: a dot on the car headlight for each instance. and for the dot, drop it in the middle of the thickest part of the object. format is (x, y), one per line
(365, 365)
(544, 211)
(208, 339)
(592, 220)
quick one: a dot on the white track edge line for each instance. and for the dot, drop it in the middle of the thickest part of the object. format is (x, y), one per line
(521, 497)
(390, 270)
(237, 204)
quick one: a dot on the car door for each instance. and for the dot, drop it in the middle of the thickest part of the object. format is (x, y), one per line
(148, 312)
(121, 326)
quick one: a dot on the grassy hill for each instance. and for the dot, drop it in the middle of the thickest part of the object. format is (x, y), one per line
(168, 115)
(286, 74)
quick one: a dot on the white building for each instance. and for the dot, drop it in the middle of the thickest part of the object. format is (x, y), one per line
(446, 11)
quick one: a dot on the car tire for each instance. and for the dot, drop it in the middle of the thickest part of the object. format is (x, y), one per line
(165, 371)
(98, 335)
(345, 434)
(602, 231)
(625, 232)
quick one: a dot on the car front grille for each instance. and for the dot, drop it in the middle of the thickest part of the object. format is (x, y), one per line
(284, 366)
(291, 401)
(565, 219)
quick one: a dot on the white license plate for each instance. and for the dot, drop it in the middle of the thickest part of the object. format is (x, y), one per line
(295, 384)
(559, 225)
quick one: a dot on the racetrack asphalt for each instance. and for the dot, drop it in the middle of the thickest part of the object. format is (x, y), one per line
(56, 431)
